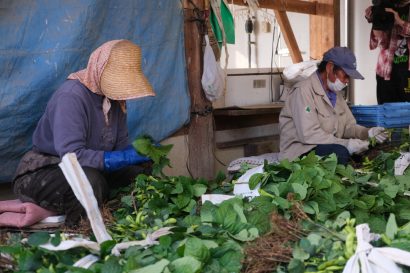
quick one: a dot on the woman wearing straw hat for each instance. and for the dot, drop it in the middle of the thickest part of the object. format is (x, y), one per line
(86, 116)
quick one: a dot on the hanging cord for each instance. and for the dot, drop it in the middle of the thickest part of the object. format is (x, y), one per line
(206, 111)
(188, 154)
(199, 16)
(280, 74)
(276, 53)
(271, 62)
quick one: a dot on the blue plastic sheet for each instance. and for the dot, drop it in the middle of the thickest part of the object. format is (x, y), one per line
(42, 42)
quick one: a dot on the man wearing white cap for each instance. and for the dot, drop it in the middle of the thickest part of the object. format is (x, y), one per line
(86, 116)
(317, 117)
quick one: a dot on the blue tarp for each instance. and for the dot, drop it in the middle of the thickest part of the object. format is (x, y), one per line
(42, 41)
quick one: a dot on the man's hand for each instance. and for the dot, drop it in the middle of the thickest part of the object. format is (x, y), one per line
(379, 133)
(356, 146)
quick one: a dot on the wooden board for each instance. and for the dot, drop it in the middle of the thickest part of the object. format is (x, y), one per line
(287, 5)
(324, 28)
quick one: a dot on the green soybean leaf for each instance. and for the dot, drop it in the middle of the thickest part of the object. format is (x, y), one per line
(38, 238)
(300, 254)
(391, 227)
(391, 190)
(300, 190)
(341, 219)
(199, 189)
(181, 201)
(56, 240)
(185, 264)
(127, 200)
(106, 247)
(196, 248)
(296, 266)
(255, 180)
(231, 261)
(112, 265)
(158, 267)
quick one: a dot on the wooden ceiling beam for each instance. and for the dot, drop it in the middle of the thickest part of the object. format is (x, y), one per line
(298, 6)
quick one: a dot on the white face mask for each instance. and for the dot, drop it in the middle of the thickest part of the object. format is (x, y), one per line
(336, 86)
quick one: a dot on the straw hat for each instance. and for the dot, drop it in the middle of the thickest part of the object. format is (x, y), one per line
(122, 78)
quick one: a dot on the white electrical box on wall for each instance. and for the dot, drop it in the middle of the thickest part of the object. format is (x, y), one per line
(252, 86)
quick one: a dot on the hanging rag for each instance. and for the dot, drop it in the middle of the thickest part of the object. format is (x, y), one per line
(222, 23)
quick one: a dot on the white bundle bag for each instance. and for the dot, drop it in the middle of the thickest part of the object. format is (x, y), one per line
(213, 80)
(401, 163)
(369, 259)
(299, 71)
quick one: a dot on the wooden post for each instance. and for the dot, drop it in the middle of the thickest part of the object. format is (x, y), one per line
(201, 162)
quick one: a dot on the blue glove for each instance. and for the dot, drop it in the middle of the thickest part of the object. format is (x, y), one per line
(116, 160)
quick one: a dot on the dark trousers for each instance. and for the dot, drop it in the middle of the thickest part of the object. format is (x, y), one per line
(341, 152)
(48, 188)
(397, 89)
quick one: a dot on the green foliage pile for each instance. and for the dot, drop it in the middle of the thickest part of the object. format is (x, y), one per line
(327, 189)
(211, 238)
(205, 238)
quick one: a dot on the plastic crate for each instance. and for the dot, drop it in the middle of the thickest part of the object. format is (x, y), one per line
(388, 115)
(370, 110)
(397, 109)
(396, 105)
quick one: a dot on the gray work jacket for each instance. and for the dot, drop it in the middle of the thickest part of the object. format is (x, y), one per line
(308, 119)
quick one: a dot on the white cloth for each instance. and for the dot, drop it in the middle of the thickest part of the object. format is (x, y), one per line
(369, 259)
(379, 133)
(356, 146)
(241, 187)
(401, 163)
(83, 191)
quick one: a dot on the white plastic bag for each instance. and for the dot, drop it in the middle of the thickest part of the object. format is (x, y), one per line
(213, 81)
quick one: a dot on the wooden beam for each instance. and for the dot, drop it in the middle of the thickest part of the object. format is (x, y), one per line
(324, 28)
(285, 5)
(201, 162)
(288, 35)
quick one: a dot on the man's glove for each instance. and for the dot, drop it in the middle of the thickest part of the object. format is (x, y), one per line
(116, 160)
(379, 133)
(356, 146)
